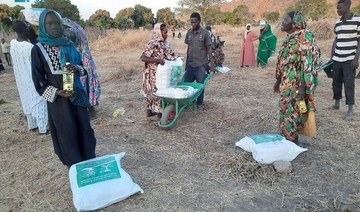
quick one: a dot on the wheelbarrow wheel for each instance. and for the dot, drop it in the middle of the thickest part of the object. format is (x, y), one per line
(165, 118)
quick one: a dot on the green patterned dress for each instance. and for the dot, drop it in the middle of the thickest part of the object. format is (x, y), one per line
(297, 60)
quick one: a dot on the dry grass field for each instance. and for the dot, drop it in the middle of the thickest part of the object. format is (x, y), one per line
(195, 166)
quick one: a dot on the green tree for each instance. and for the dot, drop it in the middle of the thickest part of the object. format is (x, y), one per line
(124, 23)
(201, 6)
(123, 19)
(271, 16)
(5, 21)
(166, 16)
(64, 7)
(101, 19)
(241, 16)
(14, 12)
(356, 9)
(212, 15)
(225, 17)
(180, 23)
(127, 13)
(313, 9)
(4, 12)
(142, 16)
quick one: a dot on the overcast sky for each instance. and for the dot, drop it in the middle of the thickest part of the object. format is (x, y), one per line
(88, 7)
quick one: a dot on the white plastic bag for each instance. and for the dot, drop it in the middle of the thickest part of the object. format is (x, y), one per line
(268, 148)
(269, 152)
(32, 15)
(163, 74)
(248, 142)
(178, 92)
(100, 182)
(223, 69)
(168, 75)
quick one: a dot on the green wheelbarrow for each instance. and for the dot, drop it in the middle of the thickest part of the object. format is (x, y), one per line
(173, 107)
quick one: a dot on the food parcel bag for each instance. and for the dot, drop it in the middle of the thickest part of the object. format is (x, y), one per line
(168, 75)
(268, 148)
(32, 15)
(99, 182)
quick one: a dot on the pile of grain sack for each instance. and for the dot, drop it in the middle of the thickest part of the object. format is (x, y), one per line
(167, 77)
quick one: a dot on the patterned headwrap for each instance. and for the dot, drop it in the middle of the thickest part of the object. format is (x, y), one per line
(67, 52)
(87, 61)
(156, 35)
(298, 20)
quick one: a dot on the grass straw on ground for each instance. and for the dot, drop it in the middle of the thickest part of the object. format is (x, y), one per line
(195, 166)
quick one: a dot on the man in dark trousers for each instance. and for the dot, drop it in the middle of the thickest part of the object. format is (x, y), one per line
(198, 54)
(345, 55)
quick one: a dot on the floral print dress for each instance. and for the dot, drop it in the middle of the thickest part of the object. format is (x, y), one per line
(159, 50)
(297, 60)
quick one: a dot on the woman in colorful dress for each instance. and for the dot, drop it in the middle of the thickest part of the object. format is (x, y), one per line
(157, 50)
(91, 80)
(267, 45)
(73, 138)
(247, 51)
(296, 75)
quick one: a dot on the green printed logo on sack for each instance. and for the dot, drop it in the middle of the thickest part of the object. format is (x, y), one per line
(175, 75)
(92, 172)
(266, 138)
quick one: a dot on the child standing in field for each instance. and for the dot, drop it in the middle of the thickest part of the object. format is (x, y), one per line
(5, 48)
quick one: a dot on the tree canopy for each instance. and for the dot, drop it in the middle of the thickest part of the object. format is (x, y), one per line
(142, 16)
(64, 7)
(313, 9)
(166, 16)
(239, 16)
(271, 16)
(7, 14)
(356, 9)
(14, 12)
(123, 19)
(101, 19)
(201, 6)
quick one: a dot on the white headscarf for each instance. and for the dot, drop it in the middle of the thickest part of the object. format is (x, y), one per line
(246, 30)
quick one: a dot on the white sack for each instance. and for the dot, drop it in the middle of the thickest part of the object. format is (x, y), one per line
(100, 182)
(168, 75)
(269, 152)
(248, 142)
(32, 15)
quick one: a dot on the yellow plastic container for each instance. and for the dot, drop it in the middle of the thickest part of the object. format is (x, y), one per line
(309, 127)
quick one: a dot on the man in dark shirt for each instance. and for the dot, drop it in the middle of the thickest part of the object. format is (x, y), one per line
(198, 54)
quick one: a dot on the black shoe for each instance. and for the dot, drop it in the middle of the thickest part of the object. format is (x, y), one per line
(149, 113)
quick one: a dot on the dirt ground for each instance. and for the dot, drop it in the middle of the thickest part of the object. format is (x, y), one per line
(195, 166)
